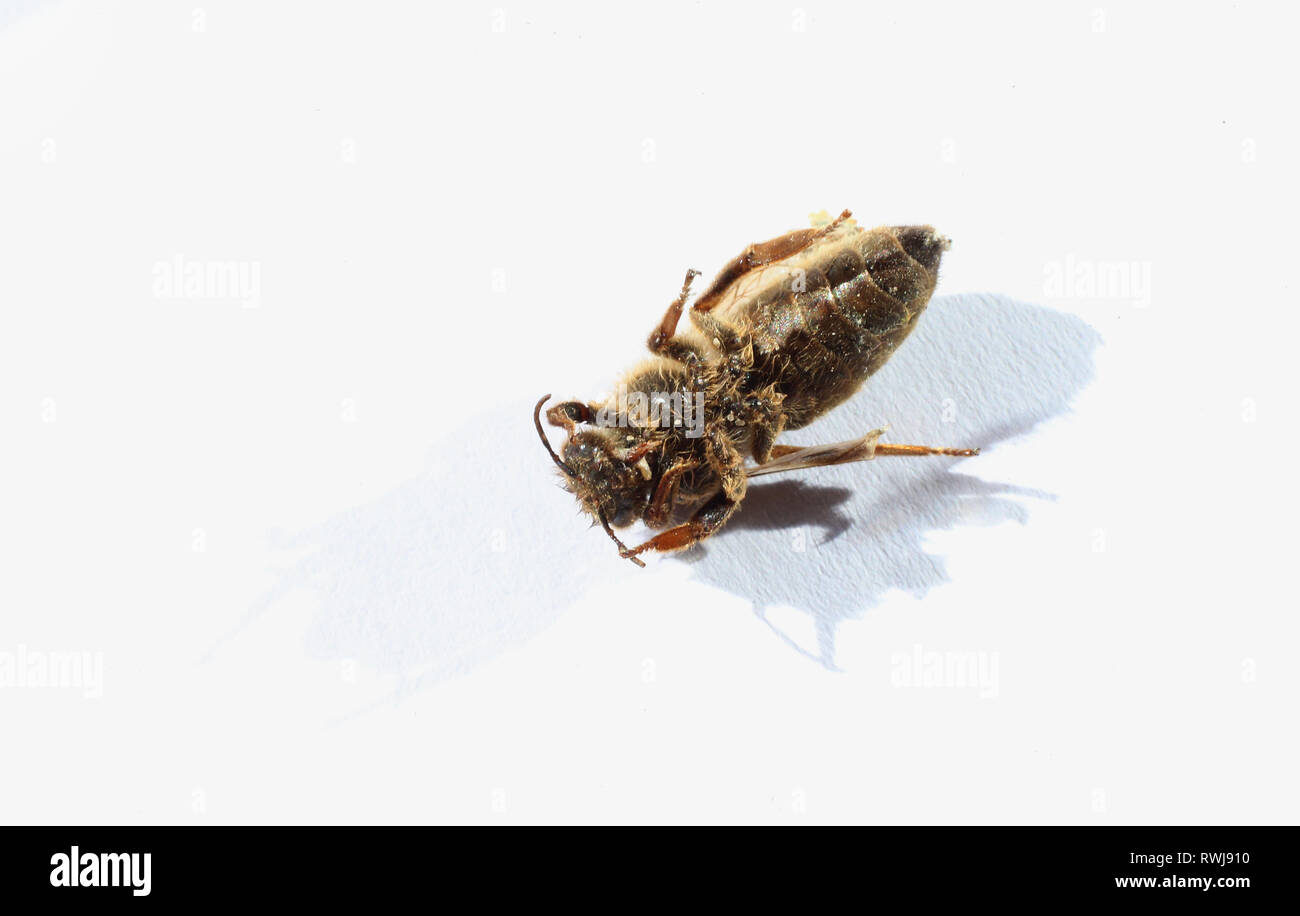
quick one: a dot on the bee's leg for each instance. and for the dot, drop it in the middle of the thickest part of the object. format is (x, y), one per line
(763, 446)
(662, 340)
(661, 504)
(884, 449)
(759, 254)
(712, 516)
(727, 463)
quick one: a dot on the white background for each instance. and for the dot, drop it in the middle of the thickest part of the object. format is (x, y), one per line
(314, 543)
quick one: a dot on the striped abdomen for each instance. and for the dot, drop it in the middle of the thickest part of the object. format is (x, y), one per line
(827, 317)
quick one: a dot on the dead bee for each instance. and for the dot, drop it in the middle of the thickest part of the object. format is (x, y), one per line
(789, 329)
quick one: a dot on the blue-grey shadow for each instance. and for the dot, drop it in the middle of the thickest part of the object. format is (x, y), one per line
(980, 370)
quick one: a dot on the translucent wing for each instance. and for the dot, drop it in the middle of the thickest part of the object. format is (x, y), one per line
(816, 456)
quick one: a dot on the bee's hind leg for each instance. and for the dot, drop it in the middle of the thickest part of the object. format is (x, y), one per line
(884, 449)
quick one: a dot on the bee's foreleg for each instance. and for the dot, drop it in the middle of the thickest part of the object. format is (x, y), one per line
(725, 461)
(661, 504)
(711, 516)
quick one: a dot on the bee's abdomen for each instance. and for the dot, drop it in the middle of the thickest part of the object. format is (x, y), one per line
(836, 311)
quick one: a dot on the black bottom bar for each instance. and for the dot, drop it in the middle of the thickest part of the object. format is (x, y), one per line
(334, 865)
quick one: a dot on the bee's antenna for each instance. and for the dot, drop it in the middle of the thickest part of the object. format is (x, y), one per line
(622, 548)
(537, 419)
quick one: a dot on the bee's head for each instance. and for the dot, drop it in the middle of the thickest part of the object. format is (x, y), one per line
(612, 482)
(608, 481)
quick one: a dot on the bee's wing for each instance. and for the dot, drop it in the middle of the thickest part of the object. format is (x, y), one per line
(816, 456)
(766, 263)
